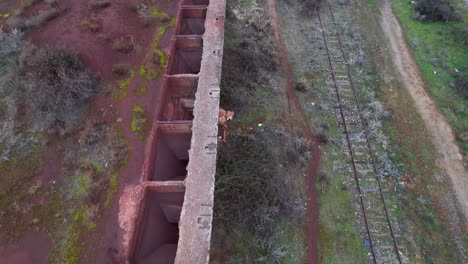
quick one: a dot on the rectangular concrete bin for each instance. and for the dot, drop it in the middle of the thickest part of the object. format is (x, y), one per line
(171, 152)
(186, 59)
(192, 26)
(158, 233)
(179, 99)
(192, 21)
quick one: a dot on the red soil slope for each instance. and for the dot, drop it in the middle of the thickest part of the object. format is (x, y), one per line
(65, 32)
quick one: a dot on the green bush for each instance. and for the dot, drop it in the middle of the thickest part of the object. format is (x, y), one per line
(461, 85)
(435, 10)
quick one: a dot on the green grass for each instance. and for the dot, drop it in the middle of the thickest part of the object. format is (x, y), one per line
(417, 205)
(261, 109)
(372, 4)
(439, 49)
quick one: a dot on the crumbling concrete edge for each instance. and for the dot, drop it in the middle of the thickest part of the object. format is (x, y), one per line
(197, 213)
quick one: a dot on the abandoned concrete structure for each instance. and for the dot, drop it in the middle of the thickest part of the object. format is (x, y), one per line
(174, 204)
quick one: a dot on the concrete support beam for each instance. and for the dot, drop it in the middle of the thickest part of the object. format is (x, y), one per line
(166, 186)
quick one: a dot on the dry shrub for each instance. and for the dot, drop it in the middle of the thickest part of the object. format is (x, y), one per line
(92, 24)
(12, 144)
(106, 37)
(23, 24)
(123, 45)
(250, 186)
(122, 70)
(98, 5)
(54, 87)
(301, 86)
(145, 14)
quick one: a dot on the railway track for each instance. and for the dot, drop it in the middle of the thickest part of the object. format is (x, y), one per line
(380, 234)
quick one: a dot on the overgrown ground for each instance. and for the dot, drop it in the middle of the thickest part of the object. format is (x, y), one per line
(422, 206)
(260, 204)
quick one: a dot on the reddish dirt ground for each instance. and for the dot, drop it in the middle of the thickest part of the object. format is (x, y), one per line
(33, 248)
(312, 228)
(65, 32)
(9, 4)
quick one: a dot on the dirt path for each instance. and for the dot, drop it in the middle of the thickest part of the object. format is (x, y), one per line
(450, 159)
(312, 229)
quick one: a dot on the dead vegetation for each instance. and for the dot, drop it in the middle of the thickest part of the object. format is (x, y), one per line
(123, 44)
(147, 14)
(92, 24)
(41, 90)
(54, 86)
(301, 86)
(98, 5)
(106, 37)
(122, 70)
(22, 23)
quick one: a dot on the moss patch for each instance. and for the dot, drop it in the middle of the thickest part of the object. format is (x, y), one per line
(140, 91)
(140, 123)
(121, 91)
(155, 61)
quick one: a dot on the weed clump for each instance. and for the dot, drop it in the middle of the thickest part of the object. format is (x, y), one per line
(148, 15)
(301, 86)
(122, 70)
(123, 45)
(98, 5)
(92, 24)
(23, 24)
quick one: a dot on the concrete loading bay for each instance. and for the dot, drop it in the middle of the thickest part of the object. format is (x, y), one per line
(173, 224)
